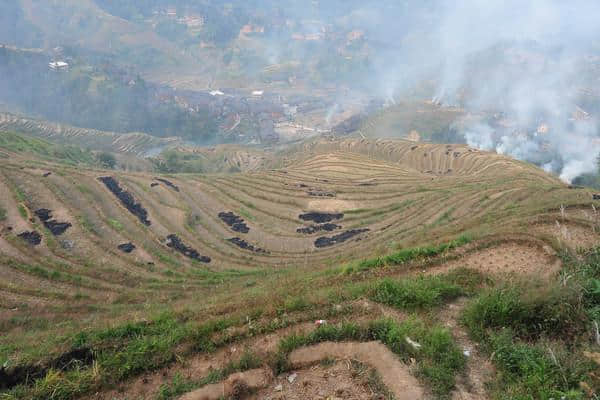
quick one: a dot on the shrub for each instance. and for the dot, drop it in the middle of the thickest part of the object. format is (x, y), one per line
(530, 310)
(421, 292)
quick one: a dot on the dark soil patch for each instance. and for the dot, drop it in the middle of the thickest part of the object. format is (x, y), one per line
(32, 237)
(126, 198)
(154, 184)
(175, 242)
(596, 196)
(47, 174)
(320, 218)
(169, 184)
(321, 193)
(246, 246)
(43, 214)
(342, 237)
(236, 223)
(27, 374)
(126, 247)
(57, 228)
(309, 230)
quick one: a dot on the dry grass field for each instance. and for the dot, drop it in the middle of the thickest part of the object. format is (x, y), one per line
(422, 259)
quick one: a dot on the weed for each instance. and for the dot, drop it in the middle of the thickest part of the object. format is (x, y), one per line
(421, 292)
(405, 255)
(2, 214)
(537, 371)
(22, 211)
(529, 309)
(116, 225)
(246, 214)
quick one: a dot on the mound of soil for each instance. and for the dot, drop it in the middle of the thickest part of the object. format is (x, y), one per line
(320, 218)
(342, 237)
(168, 183)
(57, 228)
(236, 223)
(32, 237)
(309, 230)
(175, 242)
(246, 246)
(126, 247)
(126, 198)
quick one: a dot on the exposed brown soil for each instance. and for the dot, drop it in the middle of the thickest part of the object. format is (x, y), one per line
(321, 381)
(508, 258)
(236, 386)
(572, 235)
(395, 375)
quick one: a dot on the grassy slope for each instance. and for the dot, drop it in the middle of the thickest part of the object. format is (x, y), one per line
(165, 295)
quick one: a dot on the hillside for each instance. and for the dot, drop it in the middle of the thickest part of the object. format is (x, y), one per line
(160, 283)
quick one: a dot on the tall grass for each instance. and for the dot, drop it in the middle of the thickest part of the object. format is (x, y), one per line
(405, 255)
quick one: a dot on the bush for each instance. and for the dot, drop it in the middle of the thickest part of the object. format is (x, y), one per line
(421, 292)
(537, 371)
(106, 160)
(529, 310)
(405, 255)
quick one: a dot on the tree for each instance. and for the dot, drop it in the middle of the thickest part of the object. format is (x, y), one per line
(106, 160)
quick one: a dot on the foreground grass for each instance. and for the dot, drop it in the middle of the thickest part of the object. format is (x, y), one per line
(537, 333)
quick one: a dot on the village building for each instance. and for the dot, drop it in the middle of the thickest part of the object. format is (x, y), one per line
(58, 65)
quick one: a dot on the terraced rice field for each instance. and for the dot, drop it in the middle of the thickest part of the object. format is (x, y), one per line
(389, 192)
(128, 143)
(216, 243)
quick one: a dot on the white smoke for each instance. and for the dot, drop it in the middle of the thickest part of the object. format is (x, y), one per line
(524, 59)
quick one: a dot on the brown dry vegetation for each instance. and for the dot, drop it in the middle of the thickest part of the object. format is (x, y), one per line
(69, 289)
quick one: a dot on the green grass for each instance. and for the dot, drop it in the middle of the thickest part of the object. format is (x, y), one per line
(405, 255)
(246, 214)
(116, 225)
(536, 332)
(24, 144)
(529, 309)
(543, 370)
(22, 211)
(417, 293)
(2, 214)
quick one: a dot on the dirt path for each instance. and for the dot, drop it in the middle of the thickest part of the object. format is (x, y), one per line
(471, 386)
(395, 375)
